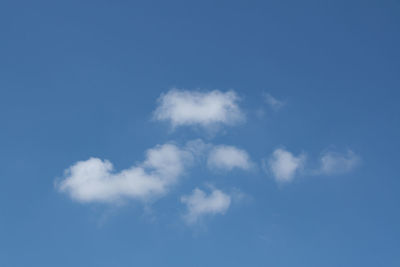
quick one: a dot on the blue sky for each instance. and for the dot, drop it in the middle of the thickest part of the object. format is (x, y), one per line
(199, 133)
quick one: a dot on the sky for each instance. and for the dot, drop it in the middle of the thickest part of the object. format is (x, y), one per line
(199, 133)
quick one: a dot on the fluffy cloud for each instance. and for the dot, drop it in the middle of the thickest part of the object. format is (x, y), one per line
(199, 204)
(206, 109)
(284, 165)
(227, 158)
(95, 180)
(333, 163)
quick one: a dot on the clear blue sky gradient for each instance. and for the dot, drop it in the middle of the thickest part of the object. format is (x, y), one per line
(81, 79)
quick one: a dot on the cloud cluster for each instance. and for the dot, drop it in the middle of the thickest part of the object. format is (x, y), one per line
(94, 180)
(206, 109)
(200, 204)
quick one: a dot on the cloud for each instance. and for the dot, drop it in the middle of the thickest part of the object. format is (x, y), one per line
(198, 148)
(334, 163)
(228, 157)
(274, 103)
(206, 109)
(199, 204)
(95, 180)
(284, 165)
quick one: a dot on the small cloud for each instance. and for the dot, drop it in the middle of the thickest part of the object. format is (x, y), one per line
(224, 157)
(196, 108)
(334, 163)
(95, 180)
(199, 204)
(198, 148)
(274, 103)
(284, 165)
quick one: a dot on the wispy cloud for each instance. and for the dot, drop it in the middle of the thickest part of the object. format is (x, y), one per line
(224, 157)
(95, 180)
(284, 165)
(274, 103)
(336, 163)
(198, 108)
(199, 204)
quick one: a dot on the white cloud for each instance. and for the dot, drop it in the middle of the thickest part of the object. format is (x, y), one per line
(207, 109)
(199, 204)
(332, 162)
(198, 148)
(274, 103)
(227, 158)
(284, 165)
(95, 180)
